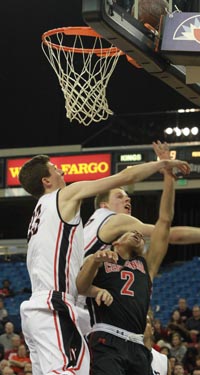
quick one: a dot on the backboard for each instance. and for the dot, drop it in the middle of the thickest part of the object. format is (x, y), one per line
(133, 38)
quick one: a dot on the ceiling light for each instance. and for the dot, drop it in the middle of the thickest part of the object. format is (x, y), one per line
(186, 131)
(177, 131)
(195, 130)
(169, 131)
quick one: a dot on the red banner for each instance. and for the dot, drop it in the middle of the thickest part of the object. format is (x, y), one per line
(75, 167)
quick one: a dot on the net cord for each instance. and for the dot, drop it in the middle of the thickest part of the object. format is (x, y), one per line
(85, 90)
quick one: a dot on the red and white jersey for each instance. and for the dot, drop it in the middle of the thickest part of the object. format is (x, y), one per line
(55, 248)
(159, 363)
(92, 242)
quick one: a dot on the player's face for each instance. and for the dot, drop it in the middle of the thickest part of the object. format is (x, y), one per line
(56, 176)
(119, 202)
(133, 241)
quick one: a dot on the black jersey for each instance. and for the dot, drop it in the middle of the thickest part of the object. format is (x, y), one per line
(130, 285)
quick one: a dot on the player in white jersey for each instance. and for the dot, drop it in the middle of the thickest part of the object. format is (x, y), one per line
(160, 364)
(92, 241)
(55, 252)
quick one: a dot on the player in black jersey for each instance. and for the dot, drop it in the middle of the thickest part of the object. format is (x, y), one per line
(119, 301)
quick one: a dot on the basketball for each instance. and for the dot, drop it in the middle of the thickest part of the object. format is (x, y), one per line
(150, 11)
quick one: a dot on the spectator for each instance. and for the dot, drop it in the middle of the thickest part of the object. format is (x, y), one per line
(162, 344)
(196, 371)
(197, 360)
(165, 350)
(28, 367)
(5, 290)
(184, 310)
(172, 361)
(178, 350)
(18, 361)
(193, 324)
(6, 338)
(8, 371)
(3, 315)
(189, 359)
(3, 363)
(160, 332)
(16, 342)
(178, 369)
(175, 325)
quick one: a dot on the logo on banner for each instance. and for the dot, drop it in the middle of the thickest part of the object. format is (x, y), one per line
(188, 30)
(75, 168)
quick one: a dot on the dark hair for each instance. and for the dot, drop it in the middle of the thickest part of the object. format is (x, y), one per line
(31, 174)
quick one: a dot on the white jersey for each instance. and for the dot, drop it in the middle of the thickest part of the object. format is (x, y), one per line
(159, 363)
(92, 242)
(55, 249)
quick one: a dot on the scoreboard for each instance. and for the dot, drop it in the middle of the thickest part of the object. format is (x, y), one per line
(89, 165)
(141, 154)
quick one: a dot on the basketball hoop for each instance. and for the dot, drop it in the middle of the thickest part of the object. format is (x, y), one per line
(83, 70)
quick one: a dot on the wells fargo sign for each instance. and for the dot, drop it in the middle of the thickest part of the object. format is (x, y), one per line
(75, 167)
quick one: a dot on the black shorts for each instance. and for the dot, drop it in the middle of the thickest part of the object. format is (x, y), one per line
(113, 355)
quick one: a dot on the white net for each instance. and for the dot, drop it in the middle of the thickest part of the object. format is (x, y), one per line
(83, 76)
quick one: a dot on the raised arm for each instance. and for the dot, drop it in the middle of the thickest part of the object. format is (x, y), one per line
(127, 176)
(179, 234)
(74, 193)
(160, 235)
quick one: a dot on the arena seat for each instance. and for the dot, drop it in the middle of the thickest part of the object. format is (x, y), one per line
(181, 280)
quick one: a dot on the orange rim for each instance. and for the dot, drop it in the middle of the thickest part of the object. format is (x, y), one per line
(79, 31)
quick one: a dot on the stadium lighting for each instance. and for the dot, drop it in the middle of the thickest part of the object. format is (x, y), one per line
(177, 131)
(169, 131)
(194, 130)
(186, 131)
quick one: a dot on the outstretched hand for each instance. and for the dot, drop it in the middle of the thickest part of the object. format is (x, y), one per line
(163, 153)
(161, 150)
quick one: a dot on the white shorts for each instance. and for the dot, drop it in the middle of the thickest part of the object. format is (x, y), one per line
(56, 344)
(83, 320)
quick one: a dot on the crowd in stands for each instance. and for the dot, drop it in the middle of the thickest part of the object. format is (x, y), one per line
(14, 355)
(180, 339)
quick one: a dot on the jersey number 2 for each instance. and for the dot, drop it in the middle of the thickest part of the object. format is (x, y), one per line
(129, 276)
